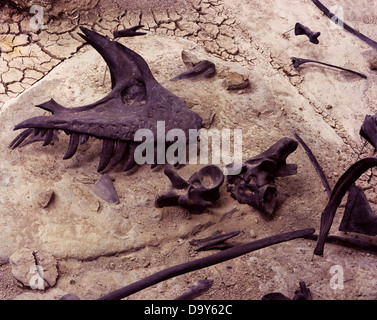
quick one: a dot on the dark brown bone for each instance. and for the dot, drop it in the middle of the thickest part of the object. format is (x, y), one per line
(315, 163)
(299, 61)
(137, 101)
(368, 130)
(340, 189)
(205, 262)
(255, 185)
(358, 215)
(344, 25)
(301, 29)
(302, 294)
(196, 196)
(130, 32)
(215, 241)
(204, 69)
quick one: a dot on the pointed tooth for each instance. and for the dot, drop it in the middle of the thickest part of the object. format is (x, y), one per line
(73, 144)
(21, 137)
(131, 158)
(43, 132)
(120, 151)
(84, 138)
(48, 138)
(107, 152)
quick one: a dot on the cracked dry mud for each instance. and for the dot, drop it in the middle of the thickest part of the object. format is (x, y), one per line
(101, 247)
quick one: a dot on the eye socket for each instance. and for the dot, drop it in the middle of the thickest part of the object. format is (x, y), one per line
(134, 93)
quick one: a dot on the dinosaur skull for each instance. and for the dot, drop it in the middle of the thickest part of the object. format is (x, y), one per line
(137, 101)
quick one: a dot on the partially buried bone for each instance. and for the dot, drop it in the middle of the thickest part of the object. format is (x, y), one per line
(358, 215)
(196, 194)
(368, 130)
(136, 101)
(204, 69)
(105, 190)
(255, 185)
(299, 61)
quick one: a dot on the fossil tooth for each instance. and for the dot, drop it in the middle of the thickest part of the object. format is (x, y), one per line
(43, 132)
(73, 144)
(84, 138)
(21, 137)
(48, 138)
(107, 152)
(131, 159)
(104, 189)
(121, 148)
(197, 196)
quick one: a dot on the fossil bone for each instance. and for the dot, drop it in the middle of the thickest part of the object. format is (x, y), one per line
(368, 130)
(358, 215)
(255, 185)
(344, 183)
(299, 61)
(137, 101)
(205, 262)
(196, 196)
(344, 25)
(215, 241)
(204, 69)
(302, 294)
(301, 29)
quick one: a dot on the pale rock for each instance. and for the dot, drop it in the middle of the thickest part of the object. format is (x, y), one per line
(44, 198)
(227, 43)
(34, 269)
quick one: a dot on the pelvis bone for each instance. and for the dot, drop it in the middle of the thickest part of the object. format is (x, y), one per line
(255, 185)
(200, 191)
(137, 101)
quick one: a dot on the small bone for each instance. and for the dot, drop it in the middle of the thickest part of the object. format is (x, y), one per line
(107, 152)
(73, 144)
(204, 69)
(130, 32)
(104, 189)
(301, 29)
(368, 130)
(216, 241)
(299, 61)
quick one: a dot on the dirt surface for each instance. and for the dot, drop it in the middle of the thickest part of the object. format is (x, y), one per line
(101, 247)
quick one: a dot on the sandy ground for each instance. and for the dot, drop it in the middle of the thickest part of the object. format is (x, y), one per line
(101, 249)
